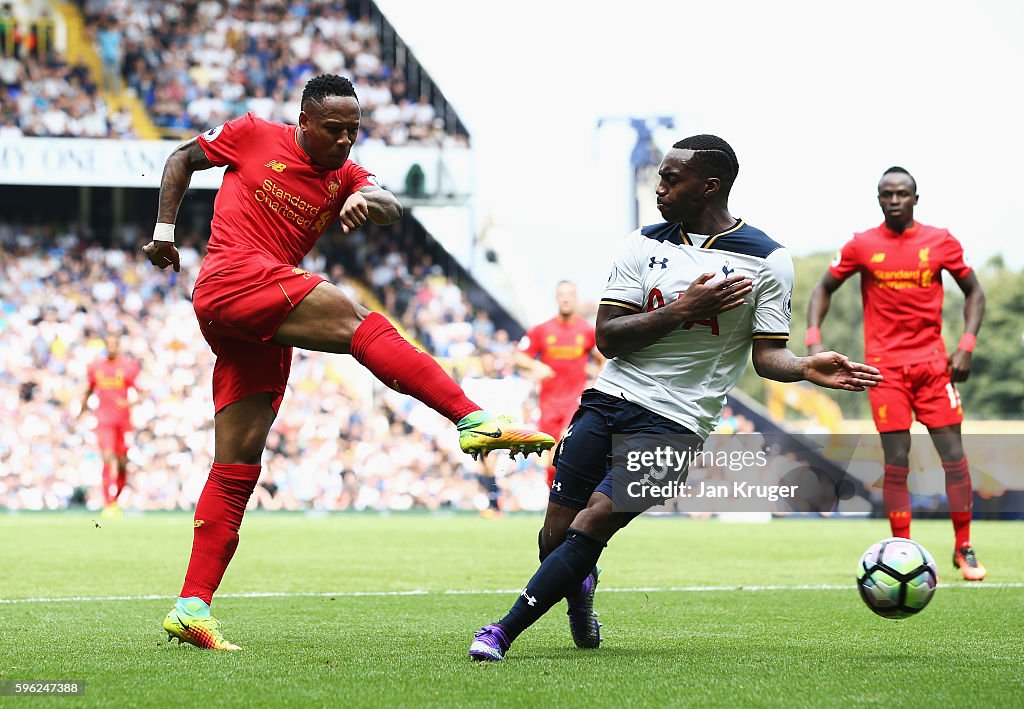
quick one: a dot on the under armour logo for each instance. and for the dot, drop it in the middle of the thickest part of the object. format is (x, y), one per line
(654, 262)
(726, 270)
(556, 486)
(530, 600)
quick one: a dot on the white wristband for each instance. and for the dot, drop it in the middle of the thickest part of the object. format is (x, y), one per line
(163, 232)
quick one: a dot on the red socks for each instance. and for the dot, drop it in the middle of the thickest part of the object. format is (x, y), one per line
(959, 495)
(217, 519)
(122, 478)
(114, 480)
(377, 345)
(108, 485)
(896, 498)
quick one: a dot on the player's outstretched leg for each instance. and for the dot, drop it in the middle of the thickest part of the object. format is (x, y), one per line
(379, 347)
(326, 320)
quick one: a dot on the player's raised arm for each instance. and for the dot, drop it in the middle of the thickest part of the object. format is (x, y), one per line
(373, 203)
(186, 159)
(773, 360)
(974, 310)
(621, 331)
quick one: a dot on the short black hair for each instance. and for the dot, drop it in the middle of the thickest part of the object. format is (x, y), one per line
(320, 87)
(712, 156)
(896, 169)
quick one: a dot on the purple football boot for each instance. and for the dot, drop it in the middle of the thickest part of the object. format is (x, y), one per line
(586, 631)
(489, 645)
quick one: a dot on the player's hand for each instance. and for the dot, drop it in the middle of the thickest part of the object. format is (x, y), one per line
(162, 254)
(959, 366)
(704, 300)
(837, 371)
(815, 349)
(544, 372)
(354, 212)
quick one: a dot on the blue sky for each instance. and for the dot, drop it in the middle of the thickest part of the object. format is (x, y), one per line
(816, 98)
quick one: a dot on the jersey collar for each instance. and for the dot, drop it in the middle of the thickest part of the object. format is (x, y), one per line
(708, 242)
(909, 231)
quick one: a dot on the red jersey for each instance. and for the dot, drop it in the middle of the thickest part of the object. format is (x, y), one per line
(901, 285)
(565, 347)
(273, 200)
(110, 379)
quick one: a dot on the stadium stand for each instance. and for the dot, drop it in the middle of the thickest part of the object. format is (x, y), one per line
(331, 449)
(196, 64)
(191, 65)
(153, 69)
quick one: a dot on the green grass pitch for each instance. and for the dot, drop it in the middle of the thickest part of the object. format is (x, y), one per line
(366, 610)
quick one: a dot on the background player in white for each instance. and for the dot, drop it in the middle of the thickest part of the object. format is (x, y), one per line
(677, 337)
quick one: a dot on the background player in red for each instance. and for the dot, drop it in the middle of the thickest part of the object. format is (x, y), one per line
(900, 263)
(110, 377)
(283, 187)
(557, 353)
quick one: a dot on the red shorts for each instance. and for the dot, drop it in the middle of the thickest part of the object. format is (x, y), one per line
(555, 419)
(111, 437)
(239, 309)
(924, 389)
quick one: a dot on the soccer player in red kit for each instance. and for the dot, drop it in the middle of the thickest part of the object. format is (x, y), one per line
(110, 377)
(557, 352)
(900, 263)
(283, 187)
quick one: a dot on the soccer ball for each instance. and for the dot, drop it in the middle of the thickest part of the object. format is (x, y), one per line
(896, 577)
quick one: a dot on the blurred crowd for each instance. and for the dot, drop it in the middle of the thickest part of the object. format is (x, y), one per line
(41, 94)
(197, 63)
(341, 441)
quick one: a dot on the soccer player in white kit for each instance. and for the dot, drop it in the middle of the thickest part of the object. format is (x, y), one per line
(687, 302)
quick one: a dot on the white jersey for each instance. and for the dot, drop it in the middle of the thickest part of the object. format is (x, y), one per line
(686, 375)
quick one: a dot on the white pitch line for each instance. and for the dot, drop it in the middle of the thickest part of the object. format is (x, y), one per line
(486, 592)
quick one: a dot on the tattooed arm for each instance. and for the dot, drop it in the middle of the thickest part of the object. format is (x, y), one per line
(186, 159)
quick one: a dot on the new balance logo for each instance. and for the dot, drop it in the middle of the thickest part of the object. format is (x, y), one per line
(198, 523)
(530, 600)
(655, 262)
(877, 258)
(276, 166)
